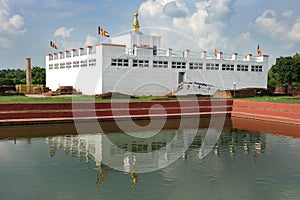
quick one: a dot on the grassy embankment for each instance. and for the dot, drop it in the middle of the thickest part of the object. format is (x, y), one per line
(274, 99)
(62, 99)
(65, 99)
(69, 98)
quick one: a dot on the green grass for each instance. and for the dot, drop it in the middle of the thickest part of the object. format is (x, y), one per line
(62, 99)
(275, 99)
(66, 99)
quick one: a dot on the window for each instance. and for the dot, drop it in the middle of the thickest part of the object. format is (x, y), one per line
(196, 65)
(56, 66)
(62, 55)
(160, 64)
(55, 56)
(92, 62)
(212, 66)
(119, 62)
(178, 65)
(140, 63)
(50, 57)
(83, 52)
(256, 68)
(227, 67)
(83, 63)
(242, 68)
(68, 54)
(75, 64)
(51, 66)
(75, 53)
(62, 65)
(69, 65)
(92, 50)
(113, 62)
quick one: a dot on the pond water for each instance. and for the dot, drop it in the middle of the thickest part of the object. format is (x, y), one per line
(240, 165)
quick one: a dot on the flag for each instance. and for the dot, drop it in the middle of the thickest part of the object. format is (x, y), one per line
(102, 32)
(259, 51)
(216, 52)
(53, 45)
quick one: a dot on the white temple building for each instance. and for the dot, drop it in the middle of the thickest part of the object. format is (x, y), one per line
(136, 64)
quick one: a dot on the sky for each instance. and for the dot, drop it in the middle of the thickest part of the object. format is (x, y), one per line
(27, 26)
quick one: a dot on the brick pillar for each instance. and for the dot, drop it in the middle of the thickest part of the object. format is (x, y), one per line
(28, 76)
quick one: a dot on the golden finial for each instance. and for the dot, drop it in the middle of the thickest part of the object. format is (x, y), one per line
(135, 25)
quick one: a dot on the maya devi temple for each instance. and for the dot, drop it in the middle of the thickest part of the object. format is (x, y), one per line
(136, 64)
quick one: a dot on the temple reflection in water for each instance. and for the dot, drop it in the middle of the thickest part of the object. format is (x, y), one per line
(125, 151)
(241, 164)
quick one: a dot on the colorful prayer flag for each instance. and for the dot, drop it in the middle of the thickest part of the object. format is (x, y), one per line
(216, 52)
(53, 45)
(259, 51)
(102, 32)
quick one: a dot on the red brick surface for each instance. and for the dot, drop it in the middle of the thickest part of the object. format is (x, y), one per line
(67, 112)
(276, 112)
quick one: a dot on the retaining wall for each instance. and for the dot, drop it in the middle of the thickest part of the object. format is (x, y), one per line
(267, 111)
(24, 113)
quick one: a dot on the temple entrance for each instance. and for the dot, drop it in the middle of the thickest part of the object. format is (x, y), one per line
(181, 77)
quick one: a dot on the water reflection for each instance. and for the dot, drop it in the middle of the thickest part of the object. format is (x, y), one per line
(90, 148)
(101, 177)
(242, 164)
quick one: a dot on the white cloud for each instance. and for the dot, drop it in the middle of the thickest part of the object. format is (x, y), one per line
(152, 8)
(219, 11)
(173, 10)
(207, 23)
(288, 13)
(17, 21)
(10, 24)
(294, 32)
(269, 25)
(63, 32)
(90, 40)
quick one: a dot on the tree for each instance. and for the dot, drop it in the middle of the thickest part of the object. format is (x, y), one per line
(12, 76)
(38, 75)
(285, 72)
(18, 76)
(6, 81)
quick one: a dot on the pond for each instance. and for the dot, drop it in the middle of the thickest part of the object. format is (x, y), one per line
(53, 162)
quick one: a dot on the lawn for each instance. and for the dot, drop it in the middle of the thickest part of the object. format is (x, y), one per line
(68, 98)
(276, 99)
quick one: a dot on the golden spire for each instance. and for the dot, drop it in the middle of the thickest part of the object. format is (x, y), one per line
(135, 25)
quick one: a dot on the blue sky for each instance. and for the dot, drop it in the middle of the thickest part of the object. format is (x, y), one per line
(27, 26)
